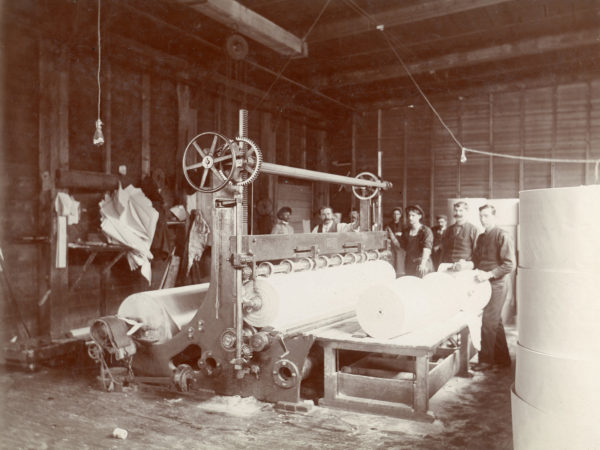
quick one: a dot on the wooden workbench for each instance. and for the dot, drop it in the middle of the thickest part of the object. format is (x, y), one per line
(400, 375)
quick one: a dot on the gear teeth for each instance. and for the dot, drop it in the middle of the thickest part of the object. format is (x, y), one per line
(254, 174)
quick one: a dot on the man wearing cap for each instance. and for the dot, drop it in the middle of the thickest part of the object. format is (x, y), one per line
(458, 242)
(282, 225)
(438, 234)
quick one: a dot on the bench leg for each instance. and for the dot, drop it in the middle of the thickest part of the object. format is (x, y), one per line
(330, 368)
(421, 386)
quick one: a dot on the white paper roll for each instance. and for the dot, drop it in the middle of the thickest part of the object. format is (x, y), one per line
(164, 311)
(557, 385)
(559, 312)
(472, 295)
(297, 299)
(389, 310)
(444, 293)
(559, 228)
(534, 429)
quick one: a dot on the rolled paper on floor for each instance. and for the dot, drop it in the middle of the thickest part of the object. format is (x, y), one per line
(557, 384)
(559, 312)
(394, 309)
(164, 311)
(534, 429)
(559, 228)
(301, 298)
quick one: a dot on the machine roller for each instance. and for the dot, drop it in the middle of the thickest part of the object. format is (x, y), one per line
(249, 332)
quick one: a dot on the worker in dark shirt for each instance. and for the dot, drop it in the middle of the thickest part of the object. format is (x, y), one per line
(438, 234)
(494, 259)
(459, 239)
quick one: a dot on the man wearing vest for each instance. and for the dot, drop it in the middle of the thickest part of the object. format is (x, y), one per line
(328, 223)
(459, 238)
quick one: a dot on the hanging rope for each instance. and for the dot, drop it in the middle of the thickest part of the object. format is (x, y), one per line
(99, 60)
(464, 150)
(280, 73)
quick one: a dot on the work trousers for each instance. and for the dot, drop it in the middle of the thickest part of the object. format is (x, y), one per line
(494, 349)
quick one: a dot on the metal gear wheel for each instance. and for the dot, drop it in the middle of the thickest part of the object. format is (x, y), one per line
(251, 161)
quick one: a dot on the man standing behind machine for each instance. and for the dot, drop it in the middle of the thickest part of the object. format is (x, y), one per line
(282, 226)
(459, 239)
(494, 258)
(328, 223)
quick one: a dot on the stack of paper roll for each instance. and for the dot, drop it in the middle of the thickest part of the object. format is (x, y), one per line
(389, 310)
(556, 396)
(298, 299)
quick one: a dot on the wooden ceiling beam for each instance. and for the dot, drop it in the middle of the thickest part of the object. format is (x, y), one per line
(245, 21)
(496, 53)
(398, 16)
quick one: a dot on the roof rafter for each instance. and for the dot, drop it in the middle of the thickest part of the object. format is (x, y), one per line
(397, 16)
(494, 53)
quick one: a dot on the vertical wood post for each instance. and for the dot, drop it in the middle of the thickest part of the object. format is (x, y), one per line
(491, 140)
(521, 139)
(459, 133)
(53, 155)
(554, 135)
(107, 118)
(146, 92)
(431, 174)
(405, 163)
(588, 131)
(183, 106)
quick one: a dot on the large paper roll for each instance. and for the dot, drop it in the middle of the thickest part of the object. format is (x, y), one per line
(164, 312)
(300, 298)
(557, 384)
(559, 312)
(444, 292)
(559, 228)
(472, 295)
(389, 310)
(534, 429)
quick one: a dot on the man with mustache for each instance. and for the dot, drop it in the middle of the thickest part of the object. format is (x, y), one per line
(459, 239)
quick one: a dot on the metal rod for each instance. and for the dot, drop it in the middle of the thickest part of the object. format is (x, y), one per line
(313, 175)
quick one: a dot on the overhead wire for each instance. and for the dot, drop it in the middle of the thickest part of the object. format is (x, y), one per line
(463, 149)
(287, 62)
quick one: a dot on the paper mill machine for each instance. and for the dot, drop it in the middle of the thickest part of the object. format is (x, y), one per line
(248, 332)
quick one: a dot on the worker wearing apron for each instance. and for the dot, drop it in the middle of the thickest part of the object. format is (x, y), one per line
(417, 241)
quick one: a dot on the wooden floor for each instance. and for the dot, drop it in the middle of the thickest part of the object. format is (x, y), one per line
(65, 409)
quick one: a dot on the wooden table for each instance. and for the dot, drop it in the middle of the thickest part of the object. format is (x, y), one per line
(399, 375)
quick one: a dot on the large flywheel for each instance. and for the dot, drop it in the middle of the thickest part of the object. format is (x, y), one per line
(209, 162)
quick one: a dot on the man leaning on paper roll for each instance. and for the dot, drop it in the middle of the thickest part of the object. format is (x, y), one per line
(494, 259)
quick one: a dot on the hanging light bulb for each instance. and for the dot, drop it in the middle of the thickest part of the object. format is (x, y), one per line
(98, 135)
(463, 156)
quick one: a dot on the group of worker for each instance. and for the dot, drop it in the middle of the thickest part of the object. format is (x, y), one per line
(418, 250)
(462, 247)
